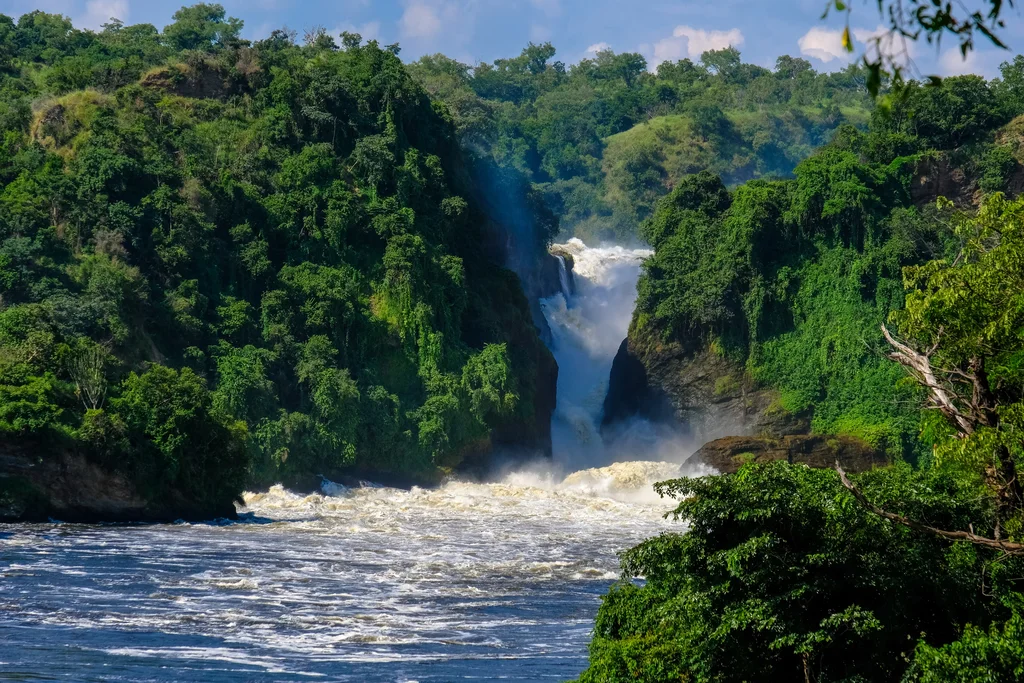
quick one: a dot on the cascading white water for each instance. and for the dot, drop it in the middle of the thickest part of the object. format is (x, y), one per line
(563, 277)
(465, 580)
(587, 327)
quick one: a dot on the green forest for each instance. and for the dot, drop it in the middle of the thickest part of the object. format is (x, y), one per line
(228, 263)
(602, 140)
(913, 572)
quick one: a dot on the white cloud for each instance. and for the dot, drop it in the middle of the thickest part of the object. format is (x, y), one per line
(824, 44)
(901, 50)
(419, 21)
(598, 47)
(693, 42)
(369, 31)
(983, 63)
(99, 12)
(551, 8)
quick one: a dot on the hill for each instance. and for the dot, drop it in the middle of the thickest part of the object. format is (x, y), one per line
(226, 263)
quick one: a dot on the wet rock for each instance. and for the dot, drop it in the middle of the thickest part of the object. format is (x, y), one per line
(40, 483)
(704, 393)
(728, 454)
(630, 394)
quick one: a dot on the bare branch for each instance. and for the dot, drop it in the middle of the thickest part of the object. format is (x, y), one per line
(1008, 547)
(920, 365)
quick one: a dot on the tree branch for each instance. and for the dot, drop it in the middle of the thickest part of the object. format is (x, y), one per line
(1009, 547)
(920, 365)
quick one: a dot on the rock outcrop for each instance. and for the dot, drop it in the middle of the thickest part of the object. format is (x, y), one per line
(936, 176)
(728, 454)
(37, 484)
(706, 394)
(199, 79)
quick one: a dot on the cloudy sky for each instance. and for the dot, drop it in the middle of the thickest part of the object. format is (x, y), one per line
(483, 30)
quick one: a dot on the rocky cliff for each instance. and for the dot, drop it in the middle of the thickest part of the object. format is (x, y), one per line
(712, 399)
(37, 484)
(728, 454)
(706, 394)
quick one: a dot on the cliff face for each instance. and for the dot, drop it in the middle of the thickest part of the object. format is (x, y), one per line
(37, 484)
(712, 399)
(728, 454)
(707, 395)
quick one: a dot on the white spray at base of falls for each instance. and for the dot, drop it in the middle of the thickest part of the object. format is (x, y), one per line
(588, 323)
(466, 580)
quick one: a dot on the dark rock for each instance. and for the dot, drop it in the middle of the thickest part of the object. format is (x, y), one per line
(203, 79)
(37, 484)
(707, 394)
(935, 176)
(728, 454)
(630, 394)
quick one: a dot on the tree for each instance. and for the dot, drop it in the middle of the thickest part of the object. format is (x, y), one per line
(177, 437)
(779, 576)
(88, 371)
(964, 319)
(1010, 88)
(202, 26)
(725, 62)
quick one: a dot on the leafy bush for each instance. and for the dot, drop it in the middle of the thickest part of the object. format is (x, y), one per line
(781, 574)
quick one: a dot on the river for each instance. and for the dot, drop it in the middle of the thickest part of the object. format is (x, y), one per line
(467, 581)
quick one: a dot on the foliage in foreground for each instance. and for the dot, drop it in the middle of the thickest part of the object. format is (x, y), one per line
(784, 574)
(781, 569)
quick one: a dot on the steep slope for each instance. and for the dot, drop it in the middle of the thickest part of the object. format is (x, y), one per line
(257, 262)
(759, 313)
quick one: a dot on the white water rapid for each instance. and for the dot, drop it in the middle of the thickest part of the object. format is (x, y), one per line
(466, 581)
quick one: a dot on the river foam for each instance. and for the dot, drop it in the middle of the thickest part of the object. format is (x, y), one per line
(467, 580)
(347, 584)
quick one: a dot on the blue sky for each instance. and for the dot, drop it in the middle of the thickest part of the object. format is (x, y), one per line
(483, 30)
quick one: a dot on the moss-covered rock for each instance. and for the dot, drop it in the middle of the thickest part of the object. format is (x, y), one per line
(729, 454)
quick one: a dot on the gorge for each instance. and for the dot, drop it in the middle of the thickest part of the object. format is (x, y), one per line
(370, 583)
(321, 362)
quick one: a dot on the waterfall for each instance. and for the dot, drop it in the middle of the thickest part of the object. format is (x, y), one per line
(587, 326)
(563, 277)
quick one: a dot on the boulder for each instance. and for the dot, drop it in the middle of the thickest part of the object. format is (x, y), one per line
(728, 454)
(39, 483)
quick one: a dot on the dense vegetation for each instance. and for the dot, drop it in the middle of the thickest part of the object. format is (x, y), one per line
(223, 260)
(784, 574)
(791, 278)
(604, 139)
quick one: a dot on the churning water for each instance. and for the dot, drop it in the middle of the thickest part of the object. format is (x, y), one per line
(588, 321)
(467, 581)
(463, 582)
